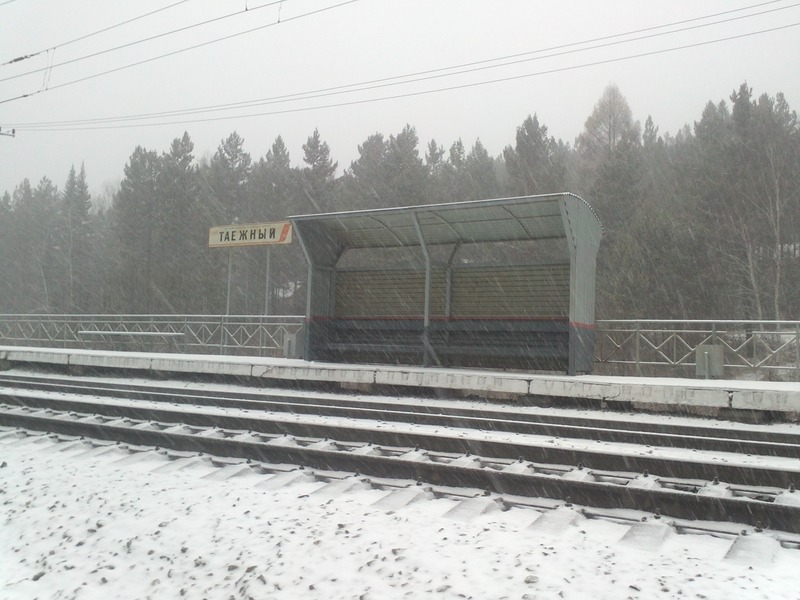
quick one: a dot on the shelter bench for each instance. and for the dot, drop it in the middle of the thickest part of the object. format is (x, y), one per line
(511, 343)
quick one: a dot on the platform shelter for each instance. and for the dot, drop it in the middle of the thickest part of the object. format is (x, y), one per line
(501, 283)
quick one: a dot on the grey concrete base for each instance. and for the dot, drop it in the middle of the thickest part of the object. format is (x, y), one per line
(686, 396)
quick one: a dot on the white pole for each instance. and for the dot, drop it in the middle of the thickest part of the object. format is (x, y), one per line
(228, 295)
(267, 284)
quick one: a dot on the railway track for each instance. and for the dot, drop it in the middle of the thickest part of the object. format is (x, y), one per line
(741, 440)
(683, 472)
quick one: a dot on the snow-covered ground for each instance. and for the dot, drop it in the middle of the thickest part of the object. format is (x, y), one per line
(103, 525)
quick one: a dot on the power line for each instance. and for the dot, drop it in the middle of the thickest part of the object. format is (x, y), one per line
(179, 51)
(134, 43)
(430, 74)
(83, 37)
(431, 91)
(317, 93)
(442, 72)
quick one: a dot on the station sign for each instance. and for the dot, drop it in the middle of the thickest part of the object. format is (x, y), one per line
(251, 234)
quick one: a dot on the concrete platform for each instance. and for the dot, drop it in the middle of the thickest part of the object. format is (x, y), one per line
(661, 394)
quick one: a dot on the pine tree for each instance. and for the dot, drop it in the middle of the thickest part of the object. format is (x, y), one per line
(536, 163)
(229, 171)
(406, 176)
(365, 184)
(134, 221)
(76, 241)
(179, 234)
(317, 179)
(482, 176)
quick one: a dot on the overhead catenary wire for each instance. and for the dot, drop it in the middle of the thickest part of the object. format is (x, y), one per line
(86, 36)
(477, 64)
(134, 43)
(262, 101)
(181, 50)
(316, 93)
(430, 74)
(423, 92)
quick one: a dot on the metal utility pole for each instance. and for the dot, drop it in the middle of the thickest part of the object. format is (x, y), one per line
(230, 276)
(268, 284)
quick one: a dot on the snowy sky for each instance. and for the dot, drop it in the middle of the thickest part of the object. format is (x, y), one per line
(669, 63)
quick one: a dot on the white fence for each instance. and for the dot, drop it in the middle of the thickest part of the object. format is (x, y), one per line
(749, 349)
(198, 334)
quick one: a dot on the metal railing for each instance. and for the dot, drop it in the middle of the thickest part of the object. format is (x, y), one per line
(197, 334)
(749, 349)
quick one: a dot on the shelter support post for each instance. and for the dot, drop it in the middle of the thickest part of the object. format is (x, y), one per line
(448, 290)
(427, 347)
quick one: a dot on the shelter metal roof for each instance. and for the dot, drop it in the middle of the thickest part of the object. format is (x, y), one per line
(502, 219)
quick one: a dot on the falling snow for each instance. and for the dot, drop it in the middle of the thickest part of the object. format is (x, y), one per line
(78, 524)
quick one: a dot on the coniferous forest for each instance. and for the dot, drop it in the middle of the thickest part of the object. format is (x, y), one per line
(700, 224)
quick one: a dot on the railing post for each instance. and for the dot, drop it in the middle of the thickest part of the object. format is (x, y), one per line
(222, 334)
(598, 344)
(185, 333)
(797, 351)
(674, 348)
(261, 326)
(636, 347)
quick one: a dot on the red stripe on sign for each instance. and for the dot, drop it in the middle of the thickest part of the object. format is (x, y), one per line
(287, 227)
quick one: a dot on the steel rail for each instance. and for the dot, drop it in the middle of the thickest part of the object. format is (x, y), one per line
(242, 444)
(286, 474)
(738, 440)
(536, 450)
